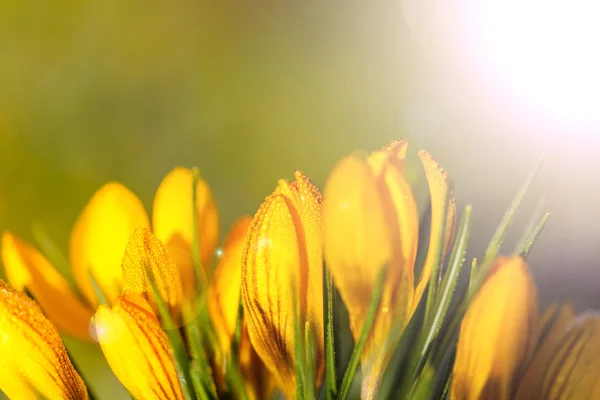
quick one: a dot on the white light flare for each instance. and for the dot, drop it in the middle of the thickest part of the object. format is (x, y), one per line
(544, 54)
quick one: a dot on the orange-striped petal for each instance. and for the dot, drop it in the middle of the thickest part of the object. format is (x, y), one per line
(27, 269)
(99, 238)
(137, 349)
(554, 324)
(282, 267)
(497, 335)
(574, 370)
(437, 179)
(172, 219)
(34, 358)
(146, 257)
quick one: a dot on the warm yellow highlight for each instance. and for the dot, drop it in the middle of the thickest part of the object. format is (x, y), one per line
(33, 357)
(27, 269)
(554, 324)
(146, 257)
(137, 349)
(372, 222)
(282, 267)
(172, 219)
(574, 370)
(99, 238)
(497, 335)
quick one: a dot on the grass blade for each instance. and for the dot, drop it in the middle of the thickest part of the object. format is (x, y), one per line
(330, 376)
(362, 340)
(533, 236)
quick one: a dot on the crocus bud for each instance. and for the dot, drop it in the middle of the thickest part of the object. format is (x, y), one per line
(173, 222)
(137, 349)
(99, 238)
(146, 259)
(282, 269)
(497, 335)
(574, 369)
(371, 225)
(554, 324)
(34, 359)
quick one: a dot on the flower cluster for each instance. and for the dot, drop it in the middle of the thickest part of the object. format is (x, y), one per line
(311, 294)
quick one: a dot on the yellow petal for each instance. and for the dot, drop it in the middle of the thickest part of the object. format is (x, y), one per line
(137, 349)
(33, 353)
(172, 220)
(282, 265)
(497, 334)
(27, 269)
(224, 290)
(357, 235)
(438, 193)
(573, 372)
(555, 322)
(145, 256)
(99, 238)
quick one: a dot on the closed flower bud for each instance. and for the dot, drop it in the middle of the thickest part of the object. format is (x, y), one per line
(371, 223)
(137, 349)
(173, 222)
(282, 269)
(497, 335)
(33, 358)
(574, 369)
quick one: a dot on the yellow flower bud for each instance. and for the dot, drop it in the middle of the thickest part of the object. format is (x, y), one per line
(145, 257)
(554, 324)
(497, 335)
(33, 358)
(282, 268)
(371, 222)
(99, 238)
(137, 349)
(27, 268)
(173, 220)
(574, 369)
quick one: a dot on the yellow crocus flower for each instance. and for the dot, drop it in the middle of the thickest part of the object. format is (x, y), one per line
(137, 349)
(99, 240)
(497, 335)
(573, 370)
(371, 223)
(33, 358)
(554, 324)
(223, 306)
(282, 268)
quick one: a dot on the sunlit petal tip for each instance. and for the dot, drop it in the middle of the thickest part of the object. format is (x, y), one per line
(283, 255)
(503, 311)
(574, 368)
(33, 355)
(173, 220)
(147, 257)
(137, 349)
(27, 269)
(99, 237)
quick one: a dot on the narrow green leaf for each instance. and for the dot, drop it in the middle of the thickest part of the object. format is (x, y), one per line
(200, 362)
(362, 340)
(196, 376)
(533, 236)
(330, 376)
(498, 238)
(309, 351)
(472, 274)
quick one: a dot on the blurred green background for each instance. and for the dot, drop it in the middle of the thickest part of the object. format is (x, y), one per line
(125, 90)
